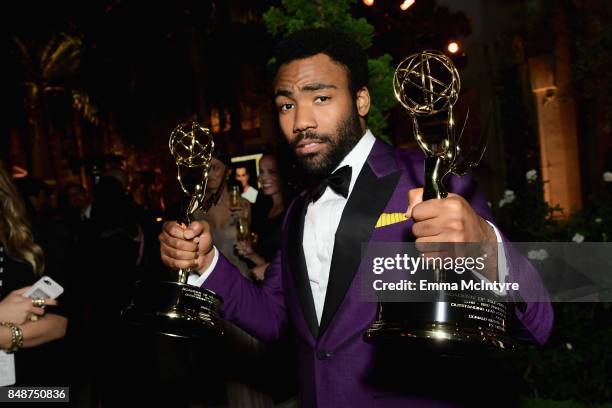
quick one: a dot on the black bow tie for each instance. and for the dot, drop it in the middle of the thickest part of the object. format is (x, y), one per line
(338, 181)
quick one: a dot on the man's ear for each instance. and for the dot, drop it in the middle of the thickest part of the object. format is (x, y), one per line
(363, 101)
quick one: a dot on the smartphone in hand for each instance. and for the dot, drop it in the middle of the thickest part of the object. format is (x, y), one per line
(45, 288)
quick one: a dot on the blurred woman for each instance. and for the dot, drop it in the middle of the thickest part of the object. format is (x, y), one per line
(224, 216)
(267, 217)
(24, 323)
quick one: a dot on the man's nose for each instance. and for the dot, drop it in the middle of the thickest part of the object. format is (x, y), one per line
(304, 119)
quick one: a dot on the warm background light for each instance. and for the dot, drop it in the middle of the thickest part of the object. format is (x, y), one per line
(453, 47)
(407, 3)
(18, 172)
(368, 2)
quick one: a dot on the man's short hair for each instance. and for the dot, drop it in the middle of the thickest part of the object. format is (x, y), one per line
(335, 44)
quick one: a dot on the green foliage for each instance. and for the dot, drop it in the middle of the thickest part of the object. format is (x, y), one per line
(53, 70)
(381, 92)
(576, 364)
(529, 218)
(295, 15)
(591, 33)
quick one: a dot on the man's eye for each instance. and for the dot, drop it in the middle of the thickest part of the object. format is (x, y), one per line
(322, 98)
(285, 107)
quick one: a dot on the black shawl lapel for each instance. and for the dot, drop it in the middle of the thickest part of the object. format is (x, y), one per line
(367, 201)
(297, 263)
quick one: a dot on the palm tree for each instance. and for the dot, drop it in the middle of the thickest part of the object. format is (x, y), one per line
(51, 71)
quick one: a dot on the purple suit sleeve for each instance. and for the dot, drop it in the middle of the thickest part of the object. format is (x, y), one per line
(257, 308)
(535, 317)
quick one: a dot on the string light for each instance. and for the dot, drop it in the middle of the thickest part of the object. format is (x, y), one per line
(452, 47)
(407, 3)
(368, 2)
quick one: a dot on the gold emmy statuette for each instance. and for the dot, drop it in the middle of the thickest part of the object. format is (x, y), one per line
(427, 85)
(175, 308)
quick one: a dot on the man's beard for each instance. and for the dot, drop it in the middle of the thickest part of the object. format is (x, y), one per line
(348, 133)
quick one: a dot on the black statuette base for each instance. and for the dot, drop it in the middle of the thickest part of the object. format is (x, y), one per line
(175, 309)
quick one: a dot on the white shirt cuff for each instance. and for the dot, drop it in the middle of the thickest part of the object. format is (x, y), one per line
(197, 280)
(502, 264)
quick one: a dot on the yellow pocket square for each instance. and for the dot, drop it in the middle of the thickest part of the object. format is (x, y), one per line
(389, 219)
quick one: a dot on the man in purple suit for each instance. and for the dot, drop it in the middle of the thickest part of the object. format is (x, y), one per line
(313, 285)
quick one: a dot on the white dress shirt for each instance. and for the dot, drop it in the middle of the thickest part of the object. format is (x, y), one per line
(322, 220)
(250, 195)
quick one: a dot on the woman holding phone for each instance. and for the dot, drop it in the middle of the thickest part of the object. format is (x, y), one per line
(24, 322)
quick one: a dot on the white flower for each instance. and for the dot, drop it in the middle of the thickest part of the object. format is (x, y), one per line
(578, 237)
(597, 220)
(508, 198)
(531, 175)
(607, 176)
(537, 255)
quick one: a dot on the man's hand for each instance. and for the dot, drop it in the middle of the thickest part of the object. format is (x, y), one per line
(258, 272)
(451, 219)
(244, 248)
(186, 247)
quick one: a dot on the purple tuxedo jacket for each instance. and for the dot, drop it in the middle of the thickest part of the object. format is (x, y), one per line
(334, 362)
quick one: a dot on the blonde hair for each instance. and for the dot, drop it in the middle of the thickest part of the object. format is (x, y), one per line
(15, 232)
